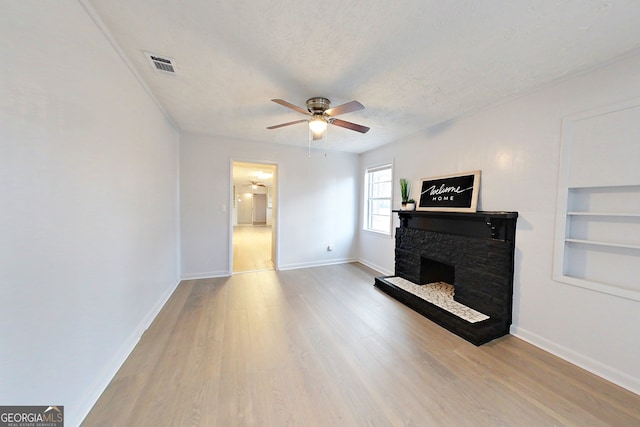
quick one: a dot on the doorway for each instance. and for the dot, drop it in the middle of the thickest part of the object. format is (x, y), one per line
(253, 241)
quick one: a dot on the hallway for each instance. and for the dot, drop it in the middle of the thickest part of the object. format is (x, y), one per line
(252, 248)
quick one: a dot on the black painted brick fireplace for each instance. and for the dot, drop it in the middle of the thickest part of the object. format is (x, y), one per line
(472, 251)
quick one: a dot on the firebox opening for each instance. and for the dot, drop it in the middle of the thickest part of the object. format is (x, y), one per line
(433, 271)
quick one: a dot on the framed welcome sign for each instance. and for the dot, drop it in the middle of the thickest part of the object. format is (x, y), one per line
(450, 193)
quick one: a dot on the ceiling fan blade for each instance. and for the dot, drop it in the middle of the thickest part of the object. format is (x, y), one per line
(286, 124)
(344, 108)
(290, 105)
(349, 125)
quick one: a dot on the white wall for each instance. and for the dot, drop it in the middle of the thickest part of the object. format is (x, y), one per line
(316, 203)
(516, 145)
(88, 208)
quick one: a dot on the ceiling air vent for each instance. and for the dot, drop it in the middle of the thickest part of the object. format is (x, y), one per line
(161, 63)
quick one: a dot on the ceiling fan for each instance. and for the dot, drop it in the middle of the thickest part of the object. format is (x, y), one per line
(320, 115)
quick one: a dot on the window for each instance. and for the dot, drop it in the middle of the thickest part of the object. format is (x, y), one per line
(377, 196)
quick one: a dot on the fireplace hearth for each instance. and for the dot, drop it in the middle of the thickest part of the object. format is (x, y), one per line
(474, 252)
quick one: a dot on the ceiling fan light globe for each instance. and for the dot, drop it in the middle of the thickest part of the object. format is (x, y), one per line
(317, 126)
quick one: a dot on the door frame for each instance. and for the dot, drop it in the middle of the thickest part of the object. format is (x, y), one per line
(275, 210)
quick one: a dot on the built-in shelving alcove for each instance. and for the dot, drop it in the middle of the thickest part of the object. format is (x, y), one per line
(597, 243)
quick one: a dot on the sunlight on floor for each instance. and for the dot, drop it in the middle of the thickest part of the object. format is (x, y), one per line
(252, 248)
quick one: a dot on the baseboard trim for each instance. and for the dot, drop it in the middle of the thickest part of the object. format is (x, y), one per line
(206, 275)
(295, 266)
(376, 267)
(605, 371)
(118, 359)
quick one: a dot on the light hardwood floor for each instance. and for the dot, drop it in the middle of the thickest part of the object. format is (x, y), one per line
(252, 248)
(322, 347)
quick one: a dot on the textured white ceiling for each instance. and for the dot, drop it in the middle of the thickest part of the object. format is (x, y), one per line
(412, 63)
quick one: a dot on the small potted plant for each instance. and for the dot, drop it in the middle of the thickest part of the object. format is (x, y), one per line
(405, 193)
(410, 205)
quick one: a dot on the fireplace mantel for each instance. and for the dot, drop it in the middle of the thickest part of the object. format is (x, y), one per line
(482, 224)
(477, 249)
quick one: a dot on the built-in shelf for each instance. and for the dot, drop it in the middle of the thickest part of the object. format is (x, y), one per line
(591, 224)
(597, 243)
(600, 249)
(605, 214)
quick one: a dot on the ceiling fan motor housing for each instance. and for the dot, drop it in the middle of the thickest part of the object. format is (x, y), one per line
(318, 105)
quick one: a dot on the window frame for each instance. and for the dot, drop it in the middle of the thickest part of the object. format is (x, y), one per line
(368, 198)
